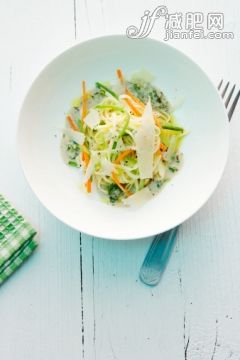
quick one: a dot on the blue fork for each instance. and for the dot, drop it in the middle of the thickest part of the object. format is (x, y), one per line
(163, 244)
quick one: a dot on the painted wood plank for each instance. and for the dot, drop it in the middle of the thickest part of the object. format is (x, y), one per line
(40, 305)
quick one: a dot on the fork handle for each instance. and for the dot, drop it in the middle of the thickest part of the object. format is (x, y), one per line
(157, 257)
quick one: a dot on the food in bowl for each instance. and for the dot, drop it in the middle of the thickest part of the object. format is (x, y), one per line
(125, 139)
(61, 188)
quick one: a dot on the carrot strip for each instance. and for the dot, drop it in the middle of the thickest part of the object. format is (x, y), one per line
(122, 81)
(72, 124)
(133, 108)
(86, 158)
(88, 185)
(123, 155)
(140, 103)
(84, 100)
(134, 98)
(122, 187)
(163, 147)
(120, 76)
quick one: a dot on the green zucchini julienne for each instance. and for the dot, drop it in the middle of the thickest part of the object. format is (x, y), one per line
(101, 86)
(122, 132)
(110, 107)
(172, 127)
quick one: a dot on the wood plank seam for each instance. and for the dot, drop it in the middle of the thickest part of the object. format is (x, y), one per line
(82, 303)
(216, 342)
(75, 19)
(184, 338)
(93, 297)
(87, 14)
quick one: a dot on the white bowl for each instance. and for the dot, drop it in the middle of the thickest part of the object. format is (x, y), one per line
(58, 186)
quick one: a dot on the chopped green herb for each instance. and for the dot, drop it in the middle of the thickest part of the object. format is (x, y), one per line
(73, 150)
(136, 87)
(114, 193)
(143, 90)
(114, 145)
(173, 169)
(159, 184)
(73, 163)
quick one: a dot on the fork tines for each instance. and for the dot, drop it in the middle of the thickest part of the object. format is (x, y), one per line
(223, 91)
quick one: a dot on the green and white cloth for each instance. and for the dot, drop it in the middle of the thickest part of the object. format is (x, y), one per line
(16, 239)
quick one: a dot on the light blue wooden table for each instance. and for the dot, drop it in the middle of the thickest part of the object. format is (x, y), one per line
(80, 297)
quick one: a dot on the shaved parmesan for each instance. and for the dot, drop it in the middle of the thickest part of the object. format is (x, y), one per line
(107, 167)
(144, 140)
(92, 119)
(76, 136)
(139, 198)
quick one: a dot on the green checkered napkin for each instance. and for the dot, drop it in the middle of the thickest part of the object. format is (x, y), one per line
(16, 239)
